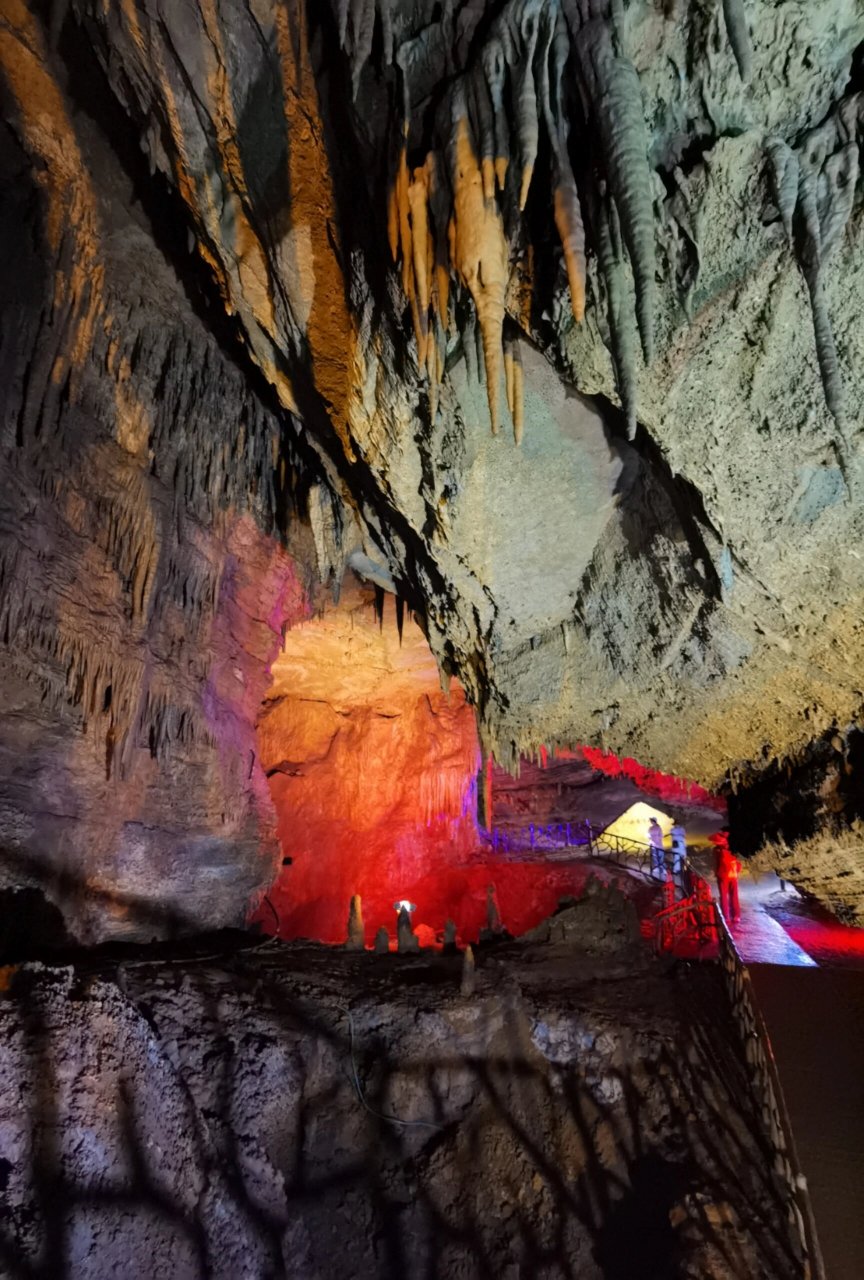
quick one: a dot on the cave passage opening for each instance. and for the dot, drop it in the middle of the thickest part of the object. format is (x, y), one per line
(379, 789)
(372, 768)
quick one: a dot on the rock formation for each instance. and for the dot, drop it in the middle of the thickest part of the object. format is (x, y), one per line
(266, 267)
(372, 768)
(302, 1122)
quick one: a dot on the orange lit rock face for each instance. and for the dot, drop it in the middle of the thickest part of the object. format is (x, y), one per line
(372, 768)
(142, 592)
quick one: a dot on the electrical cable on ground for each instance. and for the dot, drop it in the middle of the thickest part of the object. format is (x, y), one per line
(358, 1088)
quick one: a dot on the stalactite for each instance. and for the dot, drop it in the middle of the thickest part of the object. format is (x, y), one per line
(418, 199)
(527, 123)
(836, 194)
(784, 180)
(479, 251)
(342, 20)
(616, 102)
(362, 35)
(812, 259)
(523, 61)
(514, 383)
(825, 170)
(493, 64)
(480, 116)
(608, 239)
(386, 15)
(739, 37)
(570, 228)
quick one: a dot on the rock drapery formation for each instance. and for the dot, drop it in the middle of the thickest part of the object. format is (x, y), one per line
(142, 589)
(387, 223)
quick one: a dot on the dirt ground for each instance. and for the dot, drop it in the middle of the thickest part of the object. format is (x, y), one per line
(294, 1110)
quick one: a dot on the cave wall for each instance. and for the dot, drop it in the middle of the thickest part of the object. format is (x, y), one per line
(143, 589)
(804, 818)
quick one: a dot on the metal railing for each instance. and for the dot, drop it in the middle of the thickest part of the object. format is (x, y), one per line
(688, 927)
(540, 837)
(768, 1093)
(556, 840)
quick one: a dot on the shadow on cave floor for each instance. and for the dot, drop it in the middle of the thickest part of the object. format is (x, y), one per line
(296, 1110)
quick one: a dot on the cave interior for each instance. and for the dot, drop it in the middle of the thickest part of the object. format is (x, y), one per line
(431, 449)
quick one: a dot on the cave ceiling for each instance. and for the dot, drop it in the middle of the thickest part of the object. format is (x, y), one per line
(559, 302)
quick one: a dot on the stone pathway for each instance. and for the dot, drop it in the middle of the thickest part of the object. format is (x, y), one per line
(759, 939)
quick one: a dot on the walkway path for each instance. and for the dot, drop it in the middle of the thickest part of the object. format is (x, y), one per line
(815, 1021)
(814, 1013)
(759, 939)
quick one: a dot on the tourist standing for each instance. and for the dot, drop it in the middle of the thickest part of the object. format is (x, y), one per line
(679, 848)
(658, 856)
(726, 869)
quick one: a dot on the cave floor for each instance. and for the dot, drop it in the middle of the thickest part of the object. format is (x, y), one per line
(780, 926)
(297, 1110)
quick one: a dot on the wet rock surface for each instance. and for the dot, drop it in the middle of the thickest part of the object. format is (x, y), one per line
(293, 1110)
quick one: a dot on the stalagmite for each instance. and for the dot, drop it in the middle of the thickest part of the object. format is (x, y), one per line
(356, 936)
(406, 938)
(493, 916)
(382, 942)
(468, 980)
(449, 941)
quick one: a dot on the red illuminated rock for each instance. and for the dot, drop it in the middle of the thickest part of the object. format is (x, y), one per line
(371, 767)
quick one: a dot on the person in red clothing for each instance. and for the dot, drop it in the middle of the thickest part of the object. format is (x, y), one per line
(726, 869)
